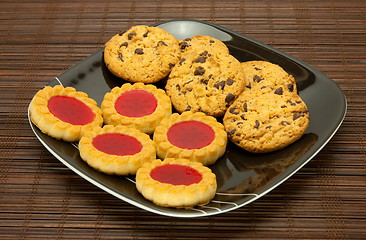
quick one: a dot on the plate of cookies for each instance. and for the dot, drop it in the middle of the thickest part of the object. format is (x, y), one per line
(187, 118)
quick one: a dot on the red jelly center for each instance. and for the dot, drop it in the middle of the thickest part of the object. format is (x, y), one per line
(176, 174)
(70, 110)
(190, 135)
(117, 144)
(136, 103)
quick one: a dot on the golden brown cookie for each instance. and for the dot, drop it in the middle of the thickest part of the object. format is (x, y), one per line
(142, 54)
(265, 120)
(205, 82)
(263, 73)
(64, 113)
(201, 43)
(136, 105)
(116, 150)
(177, 183)
(193, 136)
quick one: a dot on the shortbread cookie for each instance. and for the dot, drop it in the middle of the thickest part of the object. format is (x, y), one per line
(142, 54)
(200, 43)
(205, 82)
(64, 113)
(193, 136)
(136, 105)
(116, 150)
(263, 73)
(177, 183)
(265, 120)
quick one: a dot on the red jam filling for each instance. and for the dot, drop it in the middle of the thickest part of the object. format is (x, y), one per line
(190, 135)
(176, 174)
(70, 110)
(117, 144)
(136, 103)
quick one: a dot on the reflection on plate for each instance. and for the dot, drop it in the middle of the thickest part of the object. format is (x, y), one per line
(242, 177)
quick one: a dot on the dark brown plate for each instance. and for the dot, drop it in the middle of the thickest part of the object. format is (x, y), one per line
(241, 177)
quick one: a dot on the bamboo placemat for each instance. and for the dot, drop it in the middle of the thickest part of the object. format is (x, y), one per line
(41, 198)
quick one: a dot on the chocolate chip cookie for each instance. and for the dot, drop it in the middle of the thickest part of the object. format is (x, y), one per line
(266, 119)
(142, 54)
(264, 73)
(205, 82)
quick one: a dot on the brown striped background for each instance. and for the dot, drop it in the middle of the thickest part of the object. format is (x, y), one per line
(41, 198)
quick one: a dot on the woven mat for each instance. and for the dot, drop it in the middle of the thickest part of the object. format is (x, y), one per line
(41, 198)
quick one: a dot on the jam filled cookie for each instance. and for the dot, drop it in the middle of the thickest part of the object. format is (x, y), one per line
(116, 150)
(205, 82)
(64, 113)
(263, 73)
(142, 54)
(177, 183)
(192, 136)
(136, 105)
(266, 119)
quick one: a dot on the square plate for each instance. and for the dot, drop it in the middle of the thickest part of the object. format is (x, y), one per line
(242, 177)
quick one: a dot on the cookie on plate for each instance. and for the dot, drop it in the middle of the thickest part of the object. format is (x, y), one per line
(205, 82)
(193, 136)
(64, 113)
(142, 54)
(178, 183)
(116, 150)
(266, 119)
(136, 105)
(201, 43)
(263, 73)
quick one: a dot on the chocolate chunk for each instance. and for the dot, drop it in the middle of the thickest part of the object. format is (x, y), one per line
(188, 108)
(230, 98)
(189, 89)
(257, 68)
(239, 123)
(210, 76)
(238, 134)
(200, 60)
(243, 117)
(298, 101)
(171, 65)
(125, 44)
(245, 107)
(269, 127)
(220, 85)
(230, 81)
(249, 86)
(204, 81)
(284, 123)
(305, 111)
(291, 102)
(297, 115)
(181, 61)
(290, 87)
(283, 106)
(205, 53)
(232, 110)
(212, 41)
(231, 132)
(178, 87)
(130, 35)
(279, 91)
(183, 45)
(256, 124)
(187, 39)
(162, 43)
(199, 71)
(145, 34)
(120, 57)
(257, 78)
(139, 51)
